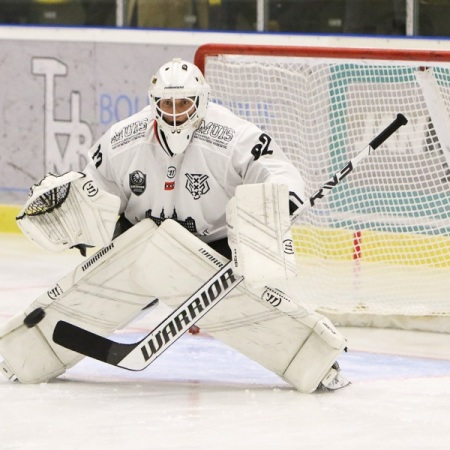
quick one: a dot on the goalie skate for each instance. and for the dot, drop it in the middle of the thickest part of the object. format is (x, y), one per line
(334, 380)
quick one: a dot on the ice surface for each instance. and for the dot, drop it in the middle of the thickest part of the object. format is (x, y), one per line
(202, 395)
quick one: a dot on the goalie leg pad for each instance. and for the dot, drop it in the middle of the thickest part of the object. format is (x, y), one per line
(299, 346)
(112, 287)
(28, 356)
(315, 357)
(274, 330)
(98, 295)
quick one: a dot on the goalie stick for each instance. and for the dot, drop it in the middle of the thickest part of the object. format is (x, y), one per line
(139, 355)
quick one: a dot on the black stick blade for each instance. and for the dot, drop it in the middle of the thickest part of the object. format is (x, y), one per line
(90, 344)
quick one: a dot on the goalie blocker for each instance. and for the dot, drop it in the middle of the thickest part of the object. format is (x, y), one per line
(116, 285)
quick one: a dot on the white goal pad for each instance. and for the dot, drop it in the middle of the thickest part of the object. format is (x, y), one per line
(98, 295)
(68, 210)
(300, 345)
(168, 263)
(259, 233)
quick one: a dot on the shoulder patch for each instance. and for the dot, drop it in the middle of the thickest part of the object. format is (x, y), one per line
(215, 133)
(138, 182)
(128, 133)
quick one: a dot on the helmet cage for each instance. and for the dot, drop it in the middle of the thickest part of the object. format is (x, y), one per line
(174, 81)
(171, 119)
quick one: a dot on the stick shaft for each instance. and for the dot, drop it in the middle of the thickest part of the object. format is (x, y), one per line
(361, 156)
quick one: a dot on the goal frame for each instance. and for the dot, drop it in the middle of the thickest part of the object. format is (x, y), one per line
(399, 55)
(319, 52)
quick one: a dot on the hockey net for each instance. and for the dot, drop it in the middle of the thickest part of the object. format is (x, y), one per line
(376, 251)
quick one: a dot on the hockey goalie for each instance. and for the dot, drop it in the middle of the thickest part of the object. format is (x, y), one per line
(189, 206)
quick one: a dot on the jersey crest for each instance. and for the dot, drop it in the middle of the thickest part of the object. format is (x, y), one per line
(138, 182)
(197, 184)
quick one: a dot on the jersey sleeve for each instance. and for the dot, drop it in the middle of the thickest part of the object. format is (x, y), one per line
(100, 169)
(257, 158)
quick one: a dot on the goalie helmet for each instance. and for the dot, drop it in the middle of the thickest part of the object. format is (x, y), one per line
(178, 81)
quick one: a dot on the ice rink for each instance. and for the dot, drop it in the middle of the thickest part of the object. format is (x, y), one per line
(202, 395)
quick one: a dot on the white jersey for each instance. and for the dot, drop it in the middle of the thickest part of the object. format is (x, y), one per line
(193, 187)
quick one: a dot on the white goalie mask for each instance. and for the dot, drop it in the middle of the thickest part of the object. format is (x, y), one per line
(179, 98)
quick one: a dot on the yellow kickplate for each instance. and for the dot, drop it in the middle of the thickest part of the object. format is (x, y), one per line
(8, 215)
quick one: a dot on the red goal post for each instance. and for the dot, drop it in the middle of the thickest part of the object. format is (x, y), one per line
(214, 50)
(377, 251)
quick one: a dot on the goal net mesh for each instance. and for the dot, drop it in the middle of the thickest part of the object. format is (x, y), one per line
(376, 251)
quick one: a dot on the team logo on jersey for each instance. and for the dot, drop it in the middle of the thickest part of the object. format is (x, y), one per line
(197, 184)
(171, 172)
(138, 182)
